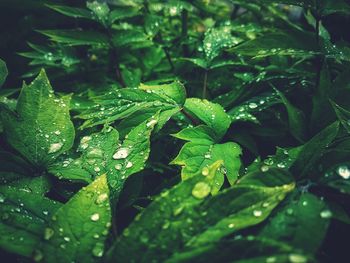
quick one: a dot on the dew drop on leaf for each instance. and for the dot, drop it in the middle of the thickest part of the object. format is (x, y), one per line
(297, 258)
(37, 255)
(95, 217)
(101, 198)
(98, 249)
(55, 147)
(205, 171)
(122, 153)
(2, 198)
(201, 190)
(326, 214)
(257, 213)
(129, 164)
(48, 233)
(344, 171)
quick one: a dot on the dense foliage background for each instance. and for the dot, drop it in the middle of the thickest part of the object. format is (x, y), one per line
(174, 131)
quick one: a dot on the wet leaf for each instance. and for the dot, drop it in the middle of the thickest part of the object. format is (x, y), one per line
(41, 128)
(78, 230)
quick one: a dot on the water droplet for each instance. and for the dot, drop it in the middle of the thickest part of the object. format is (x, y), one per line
(98, 249)
(270, 260)
(2, 198)
(178, 210)
(97, 169)
(326, 214)
(257, 213)
(37, 255)
(67, 239)
(45, 212)
(95, 217)
(207, 156)
(304, 203)
(264, 168)
(343, 171)
(128, 164)
(201, 190)
(101, 198)
(205, 171)
(252, 105)
(297, 258)
(57, 132)
(122, 153)
(231, 225)
(151, 123)
(55, 147)
(48, 233)
(118, 166)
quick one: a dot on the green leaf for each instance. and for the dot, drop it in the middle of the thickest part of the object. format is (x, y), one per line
(100, 10)
(296, 119)
(186, 217)
(76, 37)
(96, 151)
(122, 13)
(3, 72)
(78, 230)
(284, 44)
(201, 152)
(41, 128)
(130, 37)
(119, 104)
(322, 112)
(210, 113)
(337, 177)
(256, 249)
(302, 223)
(23, 218)
(72, 11)
(217, 39)
(343, 115)
(314, 149)
(130, 157)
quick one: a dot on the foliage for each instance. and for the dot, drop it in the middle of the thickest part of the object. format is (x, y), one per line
(175, 131)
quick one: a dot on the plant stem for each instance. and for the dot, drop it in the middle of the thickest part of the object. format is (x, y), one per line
(184, 31)
(189, 116)
(204, 90)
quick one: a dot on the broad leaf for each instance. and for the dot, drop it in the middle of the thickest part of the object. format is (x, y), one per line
(302, 223)
(96, 151)
(212, 114)
(256, 249)
(130, 157)
(201, 151)
(78, 230)
(283, 44)
(186, 216)
(41, 128)
(119, 104)
(314, 149)
(23, 218)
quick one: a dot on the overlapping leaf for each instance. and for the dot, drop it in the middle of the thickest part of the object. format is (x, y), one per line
(119, 104)
(41, 128)
(185, 216)
(78, 230)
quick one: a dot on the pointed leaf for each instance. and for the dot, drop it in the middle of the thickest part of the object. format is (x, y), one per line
(77, 231)
(41, 128)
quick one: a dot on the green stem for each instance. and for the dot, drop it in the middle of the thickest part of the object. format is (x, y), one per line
(184, 31)
(204, 90)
